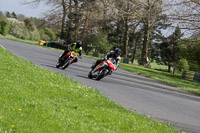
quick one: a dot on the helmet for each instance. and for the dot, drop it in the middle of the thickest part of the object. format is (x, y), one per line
(79, 43)
(117, 52)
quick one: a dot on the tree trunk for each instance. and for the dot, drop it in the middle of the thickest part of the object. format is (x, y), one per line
(69, 24)
(169, 67)
(135, 49)
(144, 56)
(76, 20)
(126, 37)
(63, 20)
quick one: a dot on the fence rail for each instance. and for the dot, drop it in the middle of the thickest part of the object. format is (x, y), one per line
(190, 75)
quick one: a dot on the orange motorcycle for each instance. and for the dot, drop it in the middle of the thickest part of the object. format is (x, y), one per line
(102, 69)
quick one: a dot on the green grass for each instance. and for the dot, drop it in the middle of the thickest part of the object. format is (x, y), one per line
(168, 78)
(19, 40)
(35, 100)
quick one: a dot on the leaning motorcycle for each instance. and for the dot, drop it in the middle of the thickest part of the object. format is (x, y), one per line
(65, 61)
(102, 69)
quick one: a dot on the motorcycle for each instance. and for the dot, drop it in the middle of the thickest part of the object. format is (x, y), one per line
(65, 61)
(102, 69)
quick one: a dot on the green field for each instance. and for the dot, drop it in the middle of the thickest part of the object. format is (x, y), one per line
(35, 100)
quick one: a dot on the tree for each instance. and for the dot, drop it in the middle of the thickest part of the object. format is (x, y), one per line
(1, 14)
(189, 49)
(186, 13)
(4, 26)
(152, 17)
(30, 25)
(168, 49)
(8, 15)
(50, 33)
(14, 15)
(101, 42)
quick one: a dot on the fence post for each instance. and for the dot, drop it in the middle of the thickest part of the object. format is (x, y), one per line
(184, 74)
(197, 77)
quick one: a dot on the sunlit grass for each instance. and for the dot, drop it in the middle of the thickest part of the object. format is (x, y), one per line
(19, 40)
(35, 100)
(168, 78)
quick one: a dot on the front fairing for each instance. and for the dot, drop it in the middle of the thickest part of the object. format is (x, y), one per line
(111, 64)
(99, 67)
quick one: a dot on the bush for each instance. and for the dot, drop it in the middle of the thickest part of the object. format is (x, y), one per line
(100, 41)
(30, 25)
(50, 33)
(183, 65)
(4, 26)
(43, 36)
(20, 30)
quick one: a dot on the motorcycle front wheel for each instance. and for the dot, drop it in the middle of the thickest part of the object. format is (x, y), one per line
(58, 65)
(68, 62)
(90, 75)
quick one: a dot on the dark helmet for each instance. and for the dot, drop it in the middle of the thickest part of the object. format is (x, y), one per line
(117, 52)
(79, 43)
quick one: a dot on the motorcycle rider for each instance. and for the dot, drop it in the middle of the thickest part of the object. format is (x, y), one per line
(76, 47)
(112, 54)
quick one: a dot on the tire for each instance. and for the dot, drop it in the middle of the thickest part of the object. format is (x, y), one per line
(58, 65)
(68, 62)
(90, 75)
(101, 75)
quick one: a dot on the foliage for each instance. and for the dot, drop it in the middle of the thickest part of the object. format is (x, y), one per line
(182, 65)
(43, 36)
(100, 42)
(4, 26)
(19, 30)
(29, 24)
(168, 48)
(8, 15)
(50, 33)
(14, 15)
(190, 50)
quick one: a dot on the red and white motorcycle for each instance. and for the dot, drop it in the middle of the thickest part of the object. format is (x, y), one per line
(102, 69)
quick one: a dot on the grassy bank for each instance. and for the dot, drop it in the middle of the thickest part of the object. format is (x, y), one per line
(19, 40)
(35, 100)
(168, 78)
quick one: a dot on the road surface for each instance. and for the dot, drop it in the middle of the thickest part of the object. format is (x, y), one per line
(133, 92)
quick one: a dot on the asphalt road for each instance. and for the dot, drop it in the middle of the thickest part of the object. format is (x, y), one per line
(133, 92)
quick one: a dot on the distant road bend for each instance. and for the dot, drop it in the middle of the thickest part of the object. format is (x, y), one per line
(133, 92)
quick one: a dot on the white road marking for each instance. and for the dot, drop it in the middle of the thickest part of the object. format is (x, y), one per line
(2, 47)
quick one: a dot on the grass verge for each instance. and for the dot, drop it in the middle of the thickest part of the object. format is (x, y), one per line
(19, 40)
(36, 100)
(168, 78)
